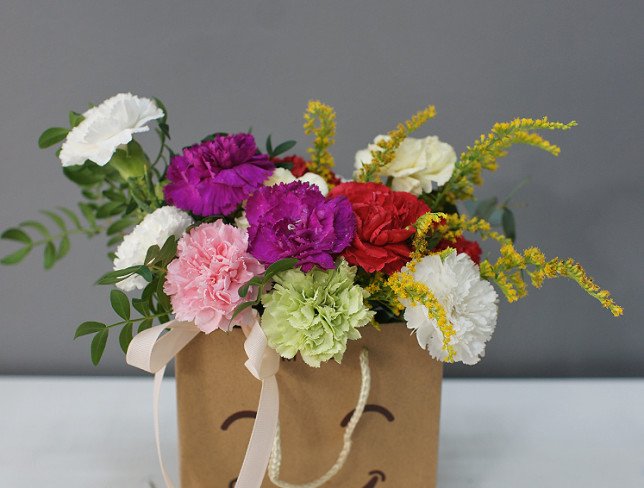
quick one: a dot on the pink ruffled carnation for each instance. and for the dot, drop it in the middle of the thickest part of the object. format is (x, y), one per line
(203, 281)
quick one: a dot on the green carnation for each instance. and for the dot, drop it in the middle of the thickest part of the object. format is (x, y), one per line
(315, 313)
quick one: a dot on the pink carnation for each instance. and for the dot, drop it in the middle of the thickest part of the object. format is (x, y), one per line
(203, 281)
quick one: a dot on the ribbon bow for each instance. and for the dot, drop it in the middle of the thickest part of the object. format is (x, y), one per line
(151, 352)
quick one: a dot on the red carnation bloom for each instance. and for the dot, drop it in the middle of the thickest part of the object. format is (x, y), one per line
(462, 245)
(299, 165)
(384, 225)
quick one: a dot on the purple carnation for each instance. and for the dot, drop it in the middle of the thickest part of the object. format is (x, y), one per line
(295, 220)
(214, 177)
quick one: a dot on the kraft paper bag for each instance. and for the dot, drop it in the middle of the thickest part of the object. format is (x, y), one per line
(395, 443)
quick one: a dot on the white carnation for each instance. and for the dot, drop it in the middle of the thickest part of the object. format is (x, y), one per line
(417, 165)
(106, 127)
(154, 229)
(469, 302)
(282, 175)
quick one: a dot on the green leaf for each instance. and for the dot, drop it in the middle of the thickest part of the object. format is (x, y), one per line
(88, 174)
(125, 337)
(16, 256)
(120, 303)
(145, 324)
(279, 266)
(495, 218)
(63, 248)
(162, 298)
(141, 306)
(72, 217)
(109, 210)
(255, 281)
(509, 225)
(90, 195)
(49, 255)
(169, 250)
(56, 218)
(114, 195)
(145, 272)
(98, 345)
(52, 136)
(119, 226)
(283, 147)
(15, 234)
(114, 240)
(485, 208)
(44, 231)
(116, 276)
(269, 146)
(152, 254)
(88, 328)
(75, 119)
(148, 292)
(240, 308)
(88, 213)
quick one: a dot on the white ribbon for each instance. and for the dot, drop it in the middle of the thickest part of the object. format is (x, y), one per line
(150, 352)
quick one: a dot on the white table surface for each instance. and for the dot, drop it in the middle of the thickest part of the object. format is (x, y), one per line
(97, 433)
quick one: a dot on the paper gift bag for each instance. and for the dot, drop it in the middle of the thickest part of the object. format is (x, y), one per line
(395, 443)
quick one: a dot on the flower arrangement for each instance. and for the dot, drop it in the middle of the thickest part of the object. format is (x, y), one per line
(226, 234)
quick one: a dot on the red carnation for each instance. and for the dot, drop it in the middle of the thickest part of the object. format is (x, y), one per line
(462, 245)
(299, 165)
(384, 225)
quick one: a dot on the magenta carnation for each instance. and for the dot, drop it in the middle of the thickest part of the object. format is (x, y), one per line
(203, 281)
(295, 220)
(214, 177)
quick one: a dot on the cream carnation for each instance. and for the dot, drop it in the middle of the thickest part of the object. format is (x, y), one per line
(154, 229)
(282, 175)
(418, 164)
(469, 302)
(106, 127)
(203, 281)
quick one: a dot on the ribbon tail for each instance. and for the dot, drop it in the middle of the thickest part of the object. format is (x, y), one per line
(263, 363)
(151, 352)
(158, 379)
(255, 462)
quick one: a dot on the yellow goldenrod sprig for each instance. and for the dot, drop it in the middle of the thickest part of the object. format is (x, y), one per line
(568, 268)
(319, 121)
(424, 228)
(508, 270)
(485, 152)
(406, 288)
(386, 151)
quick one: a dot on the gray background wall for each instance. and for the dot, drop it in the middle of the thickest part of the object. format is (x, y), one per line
(228, 65)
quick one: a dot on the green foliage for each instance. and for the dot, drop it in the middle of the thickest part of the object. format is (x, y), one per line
(75, 118)
(98, 345)
(120, 304)
(260, 282)
(273, 152)
(52, 136)
(508, 223)
(56, 242)
(89, 327)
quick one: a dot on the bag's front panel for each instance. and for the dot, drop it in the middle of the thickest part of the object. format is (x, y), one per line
(395, 443)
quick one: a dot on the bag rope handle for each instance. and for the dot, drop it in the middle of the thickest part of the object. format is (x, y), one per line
(276, 455)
